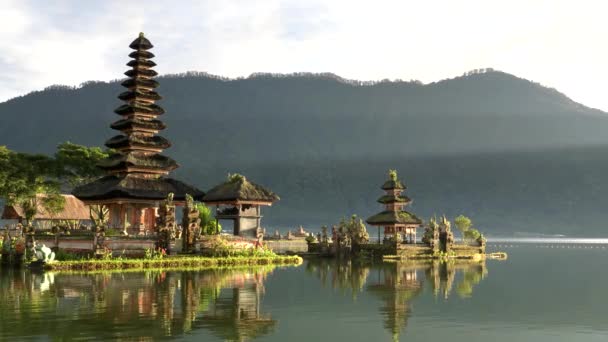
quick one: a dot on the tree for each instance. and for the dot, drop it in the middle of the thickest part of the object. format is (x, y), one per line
(463, 224)
(471, 234)
(78, 164)
(23, 176)
(356, 230)
(209, 225)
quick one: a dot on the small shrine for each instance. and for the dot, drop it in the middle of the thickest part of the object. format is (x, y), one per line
(136, 182)
(240, 200)
(397, 223)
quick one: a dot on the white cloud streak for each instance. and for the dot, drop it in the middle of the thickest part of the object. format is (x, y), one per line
(558, 43)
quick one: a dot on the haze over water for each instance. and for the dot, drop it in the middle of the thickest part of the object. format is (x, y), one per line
(538, 294)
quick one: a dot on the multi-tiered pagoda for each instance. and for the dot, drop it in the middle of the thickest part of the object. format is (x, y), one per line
(136, 175)
(396, 221)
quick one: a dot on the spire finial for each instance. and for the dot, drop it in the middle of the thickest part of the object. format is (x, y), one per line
(392, 174)
(141, 34)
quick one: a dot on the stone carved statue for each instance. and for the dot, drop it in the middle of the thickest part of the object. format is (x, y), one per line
(99, 215)
(30, 241)
(165, 223)
(431, 235)
(191, 225)
(446, 235)
(324, 238)
(6, 243)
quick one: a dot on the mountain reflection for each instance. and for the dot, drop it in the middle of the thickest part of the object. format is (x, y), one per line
(134, 305)
(396, 284)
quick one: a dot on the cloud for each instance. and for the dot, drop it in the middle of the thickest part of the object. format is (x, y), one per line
(558, 43)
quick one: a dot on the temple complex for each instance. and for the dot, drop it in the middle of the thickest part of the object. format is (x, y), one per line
(397, 222)
(239, 200)
(136, 180)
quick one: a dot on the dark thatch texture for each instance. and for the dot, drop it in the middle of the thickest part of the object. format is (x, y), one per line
(130, 187)
(139, 95)
(393, 217)
(120, 141)
(141, 43)
(74, 209)
(141, 72)
(138, 63)
(141, 54)
(238, 188)
(394, 199)
(392, 185)
(133, 108)
(140, 82)
(134, 123)
(153, 162)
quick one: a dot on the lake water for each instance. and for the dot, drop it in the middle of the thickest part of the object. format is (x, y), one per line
(543, 292)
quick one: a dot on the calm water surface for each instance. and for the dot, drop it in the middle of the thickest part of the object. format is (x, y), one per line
(541, 293)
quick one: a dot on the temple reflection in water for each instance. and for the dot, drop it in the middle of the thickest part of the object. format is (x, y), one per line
(225, 304)
(396, 284)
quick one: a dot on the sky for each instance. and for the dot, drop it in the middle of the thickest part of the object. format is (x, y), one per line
(560, 44)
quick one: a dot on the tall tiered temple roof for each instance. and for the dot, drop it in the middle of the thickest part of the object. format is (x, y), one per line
(394, 202)
(137, 170)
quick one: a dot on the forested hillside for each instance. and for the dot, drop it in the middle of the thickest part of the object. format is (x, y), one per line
(511, 154)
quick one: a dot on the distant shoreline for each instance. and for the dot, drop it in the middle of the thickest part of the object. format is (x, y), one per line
(548, 240)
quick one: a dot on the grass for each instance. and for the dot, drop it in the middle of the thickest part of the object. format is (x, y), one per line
(179, 262)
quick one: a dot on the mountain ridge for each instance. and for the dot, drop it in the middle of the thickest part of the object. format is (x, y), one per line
(510, 153)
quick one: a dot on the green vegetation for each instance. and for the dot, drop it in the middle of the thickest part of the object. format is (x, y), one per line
(209, 225)
(23, 176)
(217, 246)
(171, 262)
(472, 234)
(78, 164)
(463, 224)
(356, 230)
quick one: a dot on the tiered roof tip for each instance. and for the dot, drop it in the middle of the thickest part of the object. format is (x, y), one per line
(393, 182)
(141, 43)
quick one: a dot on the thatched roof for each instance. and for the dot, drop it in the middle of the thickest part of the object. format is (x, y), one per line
(393, 217)
(139, 94)
(392, 185)
(153, 162)
(137, 63)
(132, 108)
(141, 54)
(394, 199)
(74, 209)
(135, 123)
(120, 141)
(393, 182)
(140, 72)
(238, 188)
(131, 82)
(130, 187)
(141, 43)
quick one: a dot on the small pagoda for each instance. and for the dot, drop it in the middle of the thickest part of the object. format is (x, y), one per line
(397, 222)
(136, 179)
(239, 200)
